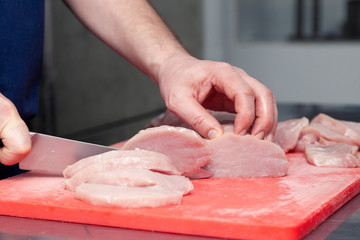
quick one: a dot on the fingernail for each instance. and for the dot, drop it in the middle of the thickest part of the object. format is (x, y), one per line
(269, 137)
(212, 134)
(260, 135)
(243, 133)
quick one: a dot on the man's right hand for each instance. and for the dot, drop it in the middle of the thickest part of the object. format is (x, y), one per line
(14, 134)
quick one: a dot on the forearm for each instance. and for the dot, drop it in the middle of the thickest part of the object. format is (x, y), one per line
(132, 28)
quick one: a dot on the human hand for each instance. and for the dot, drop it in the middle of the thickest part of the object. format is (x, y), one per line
(189, 85)
(14, 134)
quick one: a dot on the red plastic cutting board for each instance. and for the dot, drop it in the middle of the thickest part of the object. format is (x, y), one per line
(262, 208)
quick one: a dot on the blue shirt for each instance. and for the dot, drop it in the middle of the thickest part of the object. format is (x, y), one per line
(21, 51)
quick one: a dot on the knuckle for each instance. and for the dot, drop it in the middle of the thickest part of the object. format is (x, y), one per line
(224, 66)
(173, 102)
(274, 99)
(197, 121)
(7, 108)
(249, 92)
(23, 150)
(268, 94)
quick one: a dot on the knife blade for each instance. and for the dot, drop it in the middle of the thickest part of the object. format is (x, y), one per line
(54, 154)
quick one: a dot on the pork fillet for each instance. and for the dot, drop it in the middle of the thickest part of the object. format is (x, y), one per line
(121, 159)
(137, 177)
(335, 155)
(245, 156)
(322, 132)
(83, 175)
(126, 197)
(336, 130)
(303, 140)
(186, 149)
(288, 132)
(168, 118)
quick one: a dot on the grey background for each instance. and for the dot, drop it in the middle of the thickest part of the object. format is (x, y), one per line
(90, 93)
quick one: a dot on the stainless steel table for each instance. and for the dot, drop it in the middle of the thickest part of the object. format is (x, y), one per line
(343, 224)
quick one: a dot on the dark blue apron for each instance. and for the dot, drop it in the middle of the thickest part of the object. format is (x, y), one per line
(21, 51)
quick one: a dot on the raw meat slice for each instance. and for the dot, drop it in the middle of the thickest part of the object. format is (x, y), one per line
(245, 156)
(199, 173)
(288, 132)
(336, 155)
(131, 158)
(349, 130)
(137, 177)
(126, 197)
(112, 164)
(186, 149)
(168, 118)
(321, 131)
(303, 140)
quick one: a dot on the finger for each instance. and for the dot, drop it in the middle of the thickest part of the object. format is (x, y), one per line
(192, 113)
(238, 90)
(266, 121)
(266, 110)
(13, 133)
(272, 132)
(16, 145)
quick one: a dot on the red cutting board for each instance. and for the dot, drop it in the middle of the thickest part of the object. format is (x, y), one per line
(262, 208)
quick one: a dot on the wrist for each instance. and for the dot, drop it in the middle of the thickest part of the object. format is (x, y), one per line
(165, 60)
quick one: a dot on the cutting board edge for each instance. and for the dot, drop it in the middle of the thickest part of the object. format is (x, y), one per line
(330, 209)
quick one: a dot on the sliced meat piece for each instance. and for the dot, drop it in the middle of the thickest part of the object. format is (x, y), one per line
(321, 131)
(336, 155)
(107, 165)
(347, 129)
(126, 197)
(186, 149)
(288, 132)
(121, 159)
(137, 177)
(245, 156)
(168, 118)
(199, 174)
(303, 140)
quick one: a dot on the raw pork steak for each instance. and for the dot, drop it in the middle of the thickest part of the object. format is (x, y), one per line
(126, 197)
(324, 126)
(288, 132)
(137, 177)
(111, 162)
(335, 155)
(186, 149)
(122, 159)
(168, 118)
(245, 156)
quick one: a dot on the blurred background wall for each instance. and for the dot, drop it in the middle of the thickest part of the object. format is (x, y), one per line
(306, 51)
(90, 93)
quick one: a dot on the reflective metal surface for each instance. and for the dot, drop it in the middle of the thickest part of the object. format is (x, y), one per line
(54, 154)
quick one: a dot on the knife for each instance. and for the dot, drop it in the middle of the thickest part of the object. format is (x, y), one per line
(54, 154)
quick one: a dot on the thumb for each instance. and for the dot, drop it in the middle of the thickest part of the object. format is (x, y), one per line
(200, 120)
(17, 143)
(14, 134)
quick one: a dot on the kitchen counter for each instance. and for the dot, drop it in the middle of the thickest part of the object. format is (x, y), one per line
(343, 224)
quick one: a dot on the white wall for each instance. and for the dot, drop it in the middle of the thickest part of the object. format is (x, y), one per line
(297, 72)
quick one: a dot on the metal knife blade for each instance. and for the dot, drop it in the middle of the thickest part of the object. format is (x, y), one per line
(54, 154)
